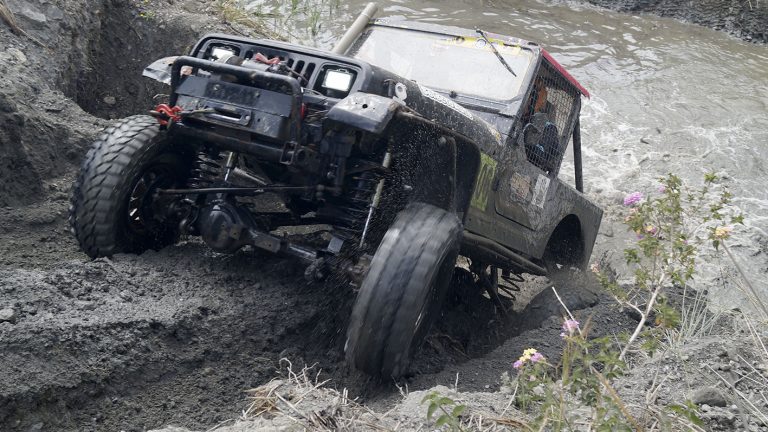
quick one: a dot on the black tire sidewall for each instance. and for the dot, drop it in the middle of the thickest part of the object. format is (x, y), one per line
(98, 213)
(409, 274)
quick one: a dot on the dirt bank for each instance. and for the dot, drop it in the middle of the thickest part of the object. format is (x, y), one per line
(53, 97)
(172, 337)
(176, 336)
(742, 18)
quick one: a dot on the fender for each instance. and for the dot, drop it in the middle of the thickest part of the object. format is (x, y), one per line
(364, 111)
(440, 164)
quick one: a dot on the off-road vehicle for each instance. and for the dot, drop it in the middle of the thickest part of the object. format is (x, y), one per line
(410, 144)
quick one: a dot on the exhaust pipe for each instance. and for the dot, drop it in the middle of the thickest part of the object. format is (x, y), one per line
(355, 29)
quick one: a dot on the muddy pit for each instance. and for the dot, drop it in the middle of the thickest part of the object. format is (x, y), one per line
(175, 336)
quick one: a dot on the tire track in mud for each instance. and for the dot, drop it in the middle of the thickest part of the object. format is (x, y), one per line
(176, 336)
(142, 340)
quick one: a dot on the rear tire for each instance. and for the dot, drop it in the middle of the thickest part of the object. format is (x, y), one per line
(113, 208)
(403, 291)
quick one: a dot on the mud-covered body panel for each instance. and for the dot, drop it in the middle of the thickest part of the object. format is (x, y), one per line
(331, 145)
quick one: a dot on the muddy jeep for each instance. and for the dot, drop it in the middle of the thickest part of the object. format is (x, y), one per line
(410, 145)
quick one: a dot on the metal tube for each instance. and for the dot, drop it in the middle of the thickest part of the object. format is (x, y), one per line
(471, 240)
(261, 151)
(355, 29)
(230, 165)
(376, 199)
(236, 190)
(577, 156)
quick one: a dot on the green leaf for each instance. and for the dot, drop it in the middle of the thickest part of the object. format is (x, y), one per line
(445, 401)
(459, 410)
(431, 410)
(444, 419)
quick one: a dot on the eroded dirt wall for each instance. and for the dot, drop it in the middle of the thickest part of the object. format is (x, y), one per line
(79, 63)
(747, 19)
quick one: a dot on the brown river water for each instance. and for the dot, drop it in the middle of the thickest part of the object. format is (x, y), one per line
(666, 97)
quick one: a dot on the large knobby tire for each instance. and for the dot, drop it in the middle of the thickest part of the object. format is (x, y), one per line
(112, 209)
(403, 291)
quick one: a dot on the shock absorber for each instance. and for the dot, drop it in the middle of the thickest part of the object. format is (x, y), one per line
(207, 170)
(376, 198)
(355, 206)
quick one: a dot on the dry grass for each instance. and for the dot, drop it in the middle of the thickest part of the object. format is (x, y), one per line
(303, 399)
(237, 17)
(10, 19)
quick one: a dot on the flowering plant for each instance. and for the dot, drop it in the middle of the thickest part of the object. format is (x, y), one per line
(529, 355)
(671, 228)
(570, 326)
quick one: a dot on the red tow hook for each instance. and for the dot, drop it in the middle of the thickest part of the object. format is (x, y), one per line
(261, 58)
(164, 113)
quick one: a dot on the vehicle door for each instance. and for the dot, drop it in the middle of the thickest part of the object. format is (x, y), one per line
(531, 163)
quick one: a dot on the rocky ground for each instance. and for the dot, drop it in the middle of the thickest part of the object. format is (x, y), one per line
(745, 19)
(177, 336)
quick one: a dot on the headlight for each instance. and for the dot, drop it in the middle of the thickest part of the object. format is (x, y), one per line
(338, 79)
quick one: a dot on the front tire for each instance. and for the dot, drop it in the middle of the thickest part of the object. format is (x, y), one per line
(113, 207)
(403, 291)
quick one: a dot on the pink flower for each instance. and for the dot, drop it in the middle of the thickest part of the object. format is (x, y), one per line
(662, 188)
(528, 354)
(569, 328)
(595, 268)
(633, 198)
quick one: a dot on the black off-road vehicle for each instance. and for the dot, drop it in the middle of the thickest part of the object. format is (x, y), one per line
(417, 143)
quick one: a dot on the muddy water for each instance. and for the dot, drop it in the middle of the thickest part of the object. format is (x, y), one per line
(666, 97)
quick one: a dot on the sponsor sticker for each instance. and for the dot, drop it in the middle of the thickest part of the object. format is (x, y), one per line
(484, 180)
(520, 187)
(540, 191)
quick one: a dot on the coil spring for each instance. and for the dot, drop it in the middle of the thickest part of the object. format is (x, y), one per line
(511, 279)
(357, 203)
(206, 171)
(362, 191)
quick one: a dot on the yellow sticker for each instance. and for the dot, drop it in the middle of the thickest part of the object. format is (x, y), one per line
(480, 43)
(483, 183)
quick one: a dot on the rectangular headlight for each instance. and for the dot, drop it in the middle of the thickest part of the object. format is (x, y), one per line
(338, 79)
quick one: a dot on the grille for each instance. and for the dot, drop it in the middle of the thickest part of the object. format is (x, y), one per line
(302, 68)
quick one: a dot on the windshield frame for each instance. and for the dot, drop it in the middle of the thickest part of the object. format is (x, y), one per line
(466, 97)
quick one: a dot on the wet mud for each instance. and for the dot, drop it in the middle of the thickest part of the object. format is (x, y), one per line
(176, 336)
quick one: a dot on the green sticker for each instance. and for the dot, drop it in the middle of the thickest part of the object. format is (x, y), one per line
(484, 181)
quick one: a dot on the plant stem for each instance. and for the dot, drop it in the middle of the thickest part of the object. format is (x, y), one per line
(746, 281)
(643, 319)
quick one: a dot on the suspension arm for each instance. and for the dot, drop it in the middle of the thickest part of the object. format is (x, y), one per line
(245, 190)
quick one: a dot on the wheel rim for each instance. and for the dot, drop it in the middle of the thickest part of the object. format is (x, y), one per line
(432, 300)
(147, 212)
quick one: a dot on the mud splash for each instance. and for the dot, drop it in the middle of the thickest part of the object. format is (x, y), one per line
(173, 336)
